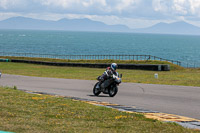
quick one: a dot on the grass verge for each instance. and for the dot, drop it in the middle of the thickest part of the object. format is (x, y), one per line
(179, 76)
(22, 112)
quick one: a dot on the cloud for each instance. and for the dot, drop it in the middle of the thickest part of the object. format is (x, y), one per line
(131, 8)
(195, 7)
(8, 15)
(71, 6)
(177, 8)
(125, 10)
(10, 5)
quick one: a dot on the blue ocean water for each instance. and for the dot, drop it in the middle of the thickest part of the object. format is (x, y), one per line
(175, 47)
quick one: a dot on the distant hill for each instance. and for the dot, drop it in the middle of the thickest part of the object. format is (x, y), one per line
(180, 27)
(63, 24)
(90, 25)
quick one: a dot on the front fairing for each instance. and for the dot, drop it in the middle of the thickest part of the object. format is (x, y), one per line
(118, 80)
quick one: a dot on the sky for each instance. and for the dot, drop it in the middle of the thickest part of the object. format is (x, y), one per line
(133, 13)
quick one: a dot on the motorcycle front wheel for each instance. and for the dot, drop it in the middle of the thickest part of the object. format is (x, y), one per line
(96, 90)
(113, 91)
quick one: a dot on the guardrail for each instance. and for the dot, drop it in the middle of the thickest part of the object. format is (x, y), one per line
(91, 57)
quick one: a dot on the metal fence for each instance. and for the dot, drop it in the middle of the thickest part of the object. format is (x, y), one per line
(91, 57)
(190, 65)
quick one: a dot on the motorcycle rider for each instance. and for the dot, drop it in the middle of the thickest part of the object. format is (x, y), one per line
(108, 73)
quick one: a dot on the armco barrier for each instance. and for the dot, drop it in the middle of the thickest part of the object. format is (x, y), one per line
(153, 67)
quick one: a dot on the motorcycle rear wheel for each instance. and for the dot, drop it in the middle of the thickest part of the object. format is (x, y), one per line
(113, 91)
(95, 90)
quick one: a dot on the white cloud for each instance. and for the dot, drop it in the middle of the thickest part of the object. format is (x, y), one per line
(160, 5)
(177, 7)
(69, 4)
(5, 4)
(180, 6)
(195, 7)
(126, 8)
(59, 3)
(128, 12)
(7, 15)
(72, 6)
(125, 5)
(12, 4)
(94, 2)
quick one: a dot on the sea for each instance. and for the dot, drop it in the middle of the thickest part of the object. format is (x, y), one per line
(183, 48)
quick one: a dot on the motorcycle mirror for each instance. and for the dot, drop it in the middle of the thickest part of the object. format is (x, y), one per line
(120, 75)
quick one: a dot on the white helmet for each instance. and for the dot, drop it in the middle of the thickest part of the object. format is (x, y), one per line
(113, 66)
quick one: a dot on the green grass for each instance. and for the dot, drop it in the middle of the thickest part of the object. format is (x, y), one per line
(86, 61)
(172, 66)
(178, 76)
(21, 112)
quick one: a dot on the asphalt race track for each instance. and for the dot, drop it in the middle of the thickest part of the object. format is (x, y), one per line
(178, 100)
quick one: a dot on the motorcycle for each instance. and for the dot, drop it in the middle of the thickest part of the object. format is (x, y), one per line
(109, 86)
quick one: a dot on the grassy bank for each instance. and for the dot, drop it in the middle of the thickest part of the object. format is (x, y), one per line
(21, 112)
(177, 76)
(86, 61)
(172, 66)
